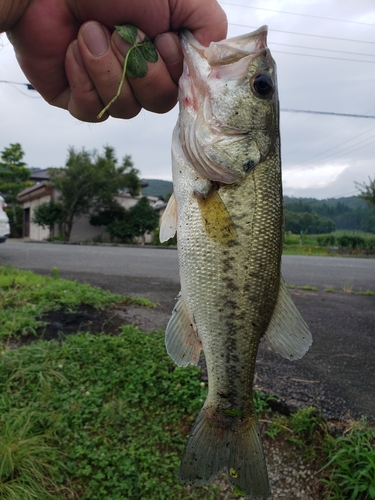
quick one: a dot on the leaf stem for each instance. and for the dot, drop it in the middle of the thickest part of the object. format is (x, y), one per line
(120, 85)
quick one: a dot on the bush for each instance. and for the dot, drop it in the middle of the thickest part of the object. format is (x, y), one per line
(351, 242)
(370, 245)
(327, 240)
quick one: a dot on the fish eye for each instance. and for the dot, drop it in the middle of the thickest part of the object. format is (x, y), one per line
(263, 85)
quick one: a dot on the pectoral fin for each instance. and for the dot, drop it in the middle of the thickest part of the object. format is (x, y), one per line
(287, 332)
(168, 225)
(181, 340)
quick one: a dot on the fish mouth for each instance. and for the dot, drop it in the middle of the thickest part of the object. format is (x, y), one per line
(226, 51)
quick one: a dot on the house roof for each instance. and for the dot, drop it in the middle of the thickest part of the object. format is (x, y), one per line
(40, 175)
(34, 192)
(43, 175)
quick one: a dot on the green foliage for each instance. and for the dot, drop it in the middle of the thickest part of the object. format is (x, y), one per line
(308, 222)
(48, 214)
(115, 407)
(367, 192)
(25, 297)
(347, 213)
(352, 242)
(90, 182)
(14, 175)
(261, 402)
(28, 459)
(108, 215)
(135, 222)
(351, 461)
(326, 240)
(15, 216)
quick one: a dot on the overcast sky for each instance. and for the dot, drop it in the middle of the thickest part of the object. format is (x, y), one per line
(325, 54)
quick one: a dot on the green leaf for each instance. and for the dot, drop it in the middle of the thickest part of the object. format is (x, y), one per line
(137, 64)
(128, 32)
(148, 50)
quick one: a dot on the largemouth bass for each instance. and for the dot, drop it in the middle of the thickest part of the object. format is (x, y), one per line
(227, 209)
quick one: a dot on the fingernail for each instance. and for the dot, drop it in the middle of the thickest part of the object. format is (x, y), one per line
(95, 38)
(168, 47)
(77, 54)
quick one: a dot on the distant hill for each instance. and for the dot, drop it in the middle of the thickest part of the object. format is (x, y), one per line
(347, 213)
(157, 187)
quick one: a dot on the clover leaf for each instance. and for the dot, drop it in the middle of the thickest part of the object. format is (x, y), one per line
(135, 64)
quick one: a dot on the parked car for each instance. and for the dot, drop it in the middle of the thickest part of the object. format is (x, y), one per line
(4, 221)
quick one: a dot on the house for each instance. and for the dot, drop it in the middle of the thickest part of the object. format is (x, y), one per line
(43, 192)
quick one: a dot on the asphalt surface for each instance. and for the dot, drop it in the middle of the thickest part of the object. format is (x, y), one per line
(338, 372)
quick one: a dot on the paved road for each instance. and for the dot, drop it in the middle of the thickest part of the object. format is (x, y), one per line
(161, 263)
(337, 373)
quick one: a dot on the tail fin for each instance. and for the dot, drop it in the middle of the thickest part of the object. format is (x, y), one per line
(211, 449)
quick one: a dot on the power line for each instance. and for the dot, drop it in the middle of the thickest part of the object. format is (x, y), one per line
(321, 49)
(322, 57)
(297, 14)
(305, 34)
(28, 85)
(351, 115)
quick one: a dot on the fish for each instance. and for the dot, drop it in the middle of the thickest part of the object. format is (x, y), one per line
(227, 210)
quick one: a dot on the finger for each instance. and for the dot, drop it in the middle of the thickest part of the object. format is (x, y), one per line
(105, 69)
(205, 19)
(169, 48)
(156, 91)
(81, 98)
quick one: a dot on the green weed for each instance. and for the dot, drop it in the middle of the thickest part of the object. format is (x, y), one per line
(351, 461)
(306, 287)
(28, 460)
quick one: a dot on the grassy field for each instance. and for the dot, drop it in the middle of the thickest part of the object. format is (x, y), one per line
(101, 417)
(295, 244)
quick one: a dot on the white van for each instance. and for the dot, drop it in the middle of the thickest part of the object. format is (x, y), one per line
(4, 221)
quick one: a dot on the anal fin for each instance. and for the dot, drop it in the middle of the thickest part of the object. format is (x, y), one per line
(181, 340)
(287, 332)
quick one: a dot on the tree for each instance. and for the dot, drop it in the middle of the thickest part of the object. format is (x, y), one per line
(48, 214)
(135, 222)
(367, 191)
(145, 218)
(14, 177)
(90, 182)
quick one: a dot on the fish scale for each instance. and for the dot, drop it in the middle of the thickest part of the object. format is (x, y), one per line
(227, 210)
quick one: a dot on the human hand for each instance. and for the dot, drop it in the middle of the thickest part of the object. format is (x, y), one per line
(71, 55)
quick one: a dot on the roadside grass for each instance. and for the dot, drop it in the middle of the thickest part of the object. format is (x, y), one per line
(26, 296)
(347, 289)
(351, 243)
(107, 417)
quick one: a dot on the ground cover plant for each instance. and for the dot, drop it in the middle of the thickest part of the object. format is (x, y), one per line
(106, 417)
(26, 296)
